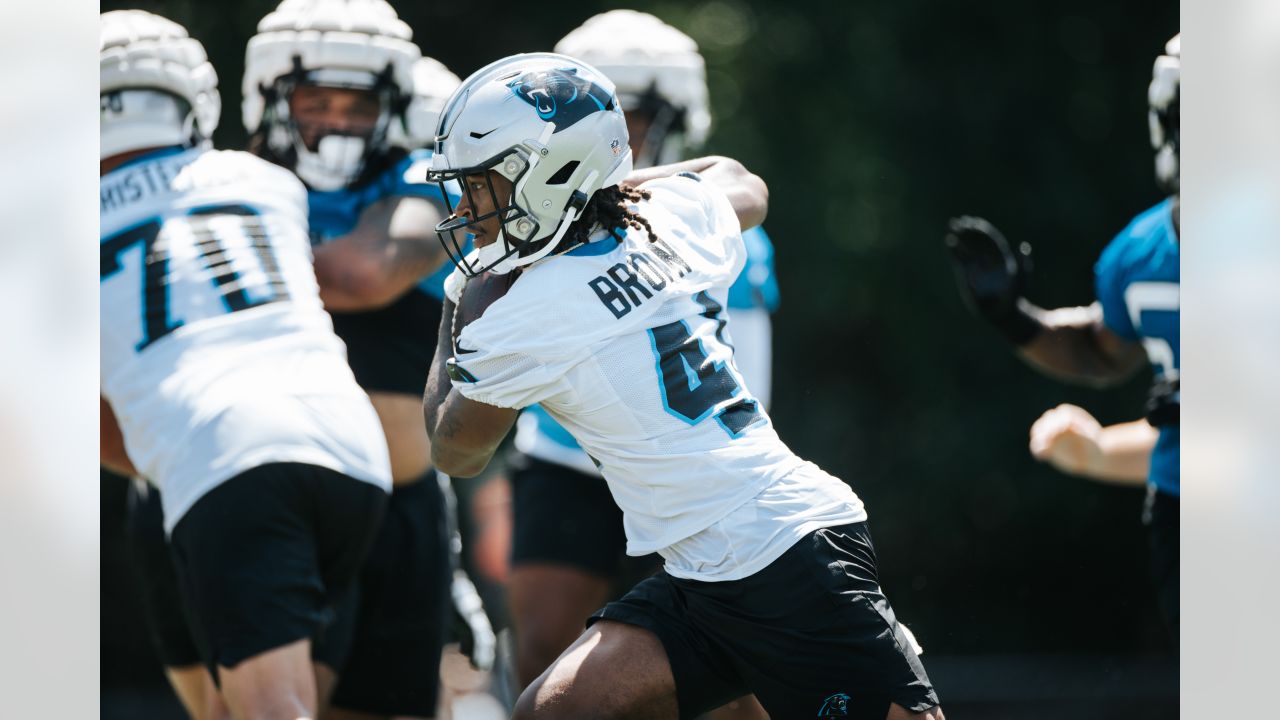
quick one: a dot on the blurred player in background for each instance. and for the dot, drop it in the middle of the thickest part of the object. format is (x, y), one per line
(569, 542)
(338, 93)
(222, 380)
(1137, 284)
(600, 294)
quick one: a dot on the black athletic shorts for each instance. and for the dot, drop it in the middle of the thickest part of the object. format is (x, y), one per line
(812, 635)
(564, 517)
(262, 558)
(155, 579)
(402, 609)
(390, 349)
(1161, 518)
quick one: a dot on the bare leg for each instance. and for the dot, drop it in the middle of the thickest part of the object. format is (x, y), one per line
(199, 696)
(188, 684)
(278, 684)
(550, 605)
(614, 671)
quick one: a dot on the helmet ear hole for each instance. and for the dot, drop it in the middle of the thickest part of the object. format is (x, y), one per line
(565, 172)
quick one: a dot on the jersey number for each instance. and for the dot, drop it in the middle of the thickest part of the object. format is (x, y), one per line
(211, 244)
(692, 385)
(1159, 301)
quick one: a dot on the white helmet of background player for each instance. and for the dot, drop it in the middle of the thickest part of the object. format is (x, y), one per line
(1163, 113)
(552, 126)
(433, 83)
(657, 70)
(355, 44)
(157, 86)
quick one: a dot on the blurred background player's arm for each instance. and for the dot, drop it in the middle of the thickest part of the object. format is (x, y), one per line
(111, 442)
(392, 247)
(746, 191)
(1073, 441)
(1072, 344)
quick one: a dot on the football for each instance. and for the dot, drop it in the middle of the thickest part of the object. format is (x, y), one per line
(478, 294)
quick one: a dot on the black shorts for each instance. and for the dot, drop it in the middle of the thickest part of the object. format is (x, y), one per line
(262, 558)
(565, 517)
(154, 578)
(812, 635)
(402, 609)
(390, 349)
(1161, 517)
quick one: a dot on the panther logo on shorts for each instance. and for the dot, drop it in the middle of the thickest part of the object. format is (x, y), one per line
(836, 706)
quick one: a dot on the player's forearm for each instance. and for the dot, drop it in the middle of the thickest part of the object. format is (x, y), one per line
(354, 278)
(438, 383)
(1124, 456)
(694, 165)
(1067, 346)
(386, 255)
(747, 193)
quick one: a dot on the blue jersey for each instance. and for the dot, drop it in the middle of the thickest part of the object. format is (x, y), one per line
(335, 213)
(757, 285)
(1138, 288)
(756, 288)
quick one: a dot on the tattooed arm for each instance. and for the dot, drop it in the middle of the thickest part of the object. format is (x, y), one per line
(464, 433)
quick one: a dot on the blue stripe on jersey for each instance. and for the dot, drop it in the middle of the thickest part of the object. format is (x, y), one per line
(757, 285)
(552, 430)
(602, 246)
(334, 213)
(1137, 284)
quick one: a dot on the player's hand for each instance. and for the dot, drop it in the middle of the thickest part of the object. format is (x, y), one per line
(1068, 438)
(992, 275)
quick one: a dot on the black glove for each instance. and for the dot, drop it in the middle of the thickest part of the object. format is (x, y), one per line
(992, 276)
(1164, 403)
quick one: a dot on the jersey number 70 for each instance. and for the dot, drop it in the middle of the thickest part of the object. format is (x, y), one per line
(210, 239)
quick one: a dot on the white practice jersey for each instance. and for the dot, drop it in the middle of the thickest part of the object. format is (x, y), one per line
(217, 355)
(626, 344)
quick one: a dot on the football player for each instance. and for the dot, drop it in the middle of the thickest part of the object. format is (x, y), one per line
(222, 380)
(568, 544)
(338, 93)
(1134, 320)
(600, 295)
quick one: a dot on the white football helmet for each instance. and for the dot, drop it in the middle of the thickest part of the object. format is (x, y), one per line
(433, 83)
(657, 70)
(358, 44)
(1163, 114)
(549, 124)
(156, 84)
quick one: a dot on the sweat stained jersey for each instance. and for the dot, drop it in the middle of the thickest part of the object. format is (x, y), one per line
(626, 344)
(217, 355)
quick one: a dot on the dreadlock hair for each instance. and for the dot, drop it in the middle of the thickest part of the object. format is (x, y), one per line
(608, 209)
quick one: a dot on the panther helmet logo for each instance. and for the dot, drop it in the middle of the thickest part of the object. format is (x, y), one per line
(836, 706)
(561, 95)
